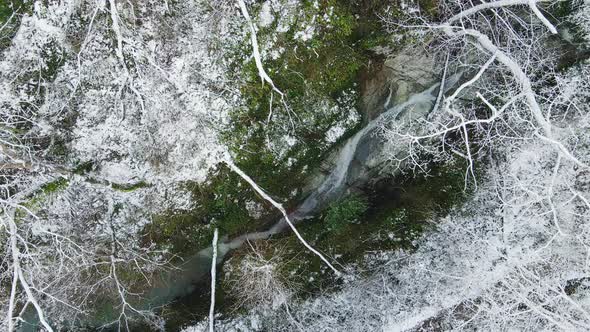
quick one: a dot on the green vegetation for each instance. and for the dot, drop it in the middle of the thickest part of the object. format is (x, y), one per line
(55, 58)
(130, 186)
(320, 79)
(429, 7)
(10, 22)
(42, 195)
(221, 203)
(82, 168)
(54, 186)
(345, 211)
(315, 74)
(6, 10)
(34, 79)
(563, 9)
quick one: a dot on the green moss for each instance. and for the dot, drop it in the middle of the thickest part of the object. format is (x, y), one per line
(221, 204)
(7, 8)
(182, 232)
(345, 211)
(319, 71)
(55, 186)
(40, 196)
(82, 168)
(323, 70)
(429, 7)
(131, 186)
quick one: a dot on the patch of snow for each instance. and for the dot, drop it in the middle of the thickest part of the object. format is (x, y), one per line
(334, 133)
(306, 34)
(254, 209)
(118, 172)
(266, 17)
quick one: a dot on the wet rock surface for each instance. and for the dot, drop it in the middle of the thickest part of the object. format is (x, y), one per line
(388, 82)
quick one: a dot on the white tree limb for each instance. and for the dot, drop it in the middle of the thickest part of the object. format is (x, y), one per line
(213, 277)
(256, 50)
(540, 16)
(277, 205)
(515, 69)
(20, 276)
(474, 79)
(500, 4)
(117, 29)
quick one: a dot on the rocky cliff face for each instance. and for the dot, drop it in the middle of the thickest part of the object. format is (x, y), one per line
(398, 76)
(388, 84)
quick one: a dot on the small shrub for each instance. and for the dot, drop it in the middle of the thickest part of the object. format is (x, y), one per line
(256, 280)
(345, 211)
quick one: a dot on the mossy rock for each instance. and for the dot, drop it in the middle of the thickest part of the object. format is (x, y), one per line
(129, 187)
(7, 9)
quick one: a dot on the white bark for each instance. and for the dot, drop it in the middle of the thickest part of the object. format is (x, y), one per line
(18, 274)
(525, 84)
(213, 277)
(540, 16)
(256, 49)
(515, 69)
(117, 30)
(277, 205)
(503, 3)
